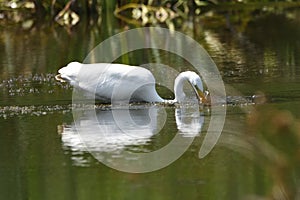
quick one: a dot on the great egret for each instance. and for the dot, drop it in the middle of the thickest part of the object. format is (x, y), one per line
(125, 82)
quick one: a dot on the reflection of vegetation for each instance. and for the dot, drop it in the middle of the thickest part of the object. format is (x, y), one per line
(69, 12)
(154, 12)
(147, 14)
(64, 12)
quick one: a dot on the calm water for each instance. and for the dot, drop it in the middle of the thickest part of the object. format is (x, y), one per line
(41, 157)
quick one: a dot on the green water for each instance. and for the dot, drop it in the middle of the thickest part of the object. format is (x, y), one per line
(254, 52)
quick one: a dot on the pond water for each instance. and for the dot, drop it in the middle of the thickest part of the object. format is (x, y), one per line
(257, 53)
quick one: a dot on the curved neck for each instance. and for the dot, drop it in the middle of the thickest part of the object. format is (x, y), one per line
(178, 87)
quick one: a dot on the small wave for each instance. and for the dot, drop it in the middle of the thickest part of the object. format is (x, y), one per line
(32, 110)
(31, 84)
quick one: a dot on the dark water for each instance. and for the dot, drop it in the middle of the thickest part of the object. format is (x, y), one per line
(256, 53)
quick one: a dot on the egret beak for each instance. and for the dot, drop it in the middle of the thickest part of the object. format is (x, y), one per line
(200, 95)
(59, 78)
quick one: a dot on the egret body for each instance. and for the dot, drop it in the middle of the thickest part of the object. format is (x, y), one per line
(124, 82)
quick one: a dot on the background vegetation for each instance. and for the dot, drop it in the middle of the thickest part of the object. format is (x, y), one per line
(139, 12)
(247, 55)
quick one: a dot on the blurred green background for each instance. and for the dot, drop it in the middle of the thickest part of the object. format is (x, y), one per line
(256, 46)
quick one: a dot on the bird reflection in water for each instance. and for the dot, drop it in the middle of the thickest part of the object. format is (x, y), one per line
(115, 130)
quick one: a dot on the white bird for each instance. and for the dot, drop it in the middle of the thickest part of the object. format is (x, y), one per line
(125, 82)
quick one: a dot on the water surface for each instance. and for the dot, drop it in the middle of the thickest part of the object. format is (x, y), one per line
(41, 158)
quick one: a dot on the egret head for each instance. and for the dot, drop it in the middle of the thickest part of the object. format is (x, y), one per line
(196, 82)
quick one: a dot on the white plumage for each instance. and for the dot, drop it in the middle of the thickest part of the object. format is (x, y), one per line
(119, 82)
